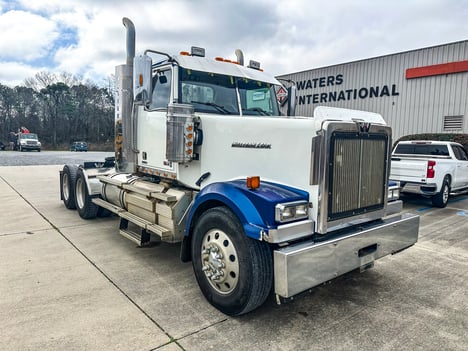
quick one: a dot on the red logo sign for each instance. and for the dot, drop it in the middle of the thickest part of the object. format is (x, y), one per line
(281, 95)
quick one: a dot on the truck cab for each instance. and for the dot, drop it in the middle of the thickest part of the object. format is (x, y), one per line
(219, 92)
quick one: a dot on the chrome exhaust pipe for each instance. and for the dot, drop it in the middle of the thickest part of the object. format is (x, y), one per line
(130, 39)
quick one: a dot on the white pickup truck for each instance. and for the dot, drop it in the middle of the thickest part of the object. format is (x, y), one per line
(430, 168)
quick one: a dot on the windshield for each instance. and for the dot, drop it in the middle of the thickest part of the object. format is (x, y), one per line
(29, 136)
(217, 93)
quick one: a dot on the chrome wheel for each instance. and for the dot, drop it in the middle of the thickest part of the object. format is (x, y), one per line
(220, 261)
(80, 193)
(66, 186)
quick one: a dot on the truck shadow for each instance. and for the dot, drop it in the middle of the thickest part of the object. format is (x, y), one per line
(416, 201)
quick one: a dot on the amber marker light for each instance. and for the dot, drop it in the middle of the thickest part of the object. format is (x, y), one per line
(140, 79)
(253, 182)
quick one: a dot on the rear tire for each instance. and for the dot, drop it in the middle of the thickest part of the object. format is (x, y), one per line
(86, 208)
(441, 199)
(234, 272)
(68, 186)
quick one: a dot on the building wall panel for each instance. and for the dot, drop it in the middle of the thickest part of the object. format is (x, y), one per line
(416, 105)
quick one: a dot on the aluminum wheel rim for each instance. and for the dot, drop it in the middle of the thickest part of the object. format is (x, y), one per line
(79, 193)
(65, 186)
(220, 261)
(445, 195)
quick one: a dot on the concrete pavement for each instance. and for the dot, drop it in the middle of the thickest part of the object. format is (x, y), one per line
(71, 284)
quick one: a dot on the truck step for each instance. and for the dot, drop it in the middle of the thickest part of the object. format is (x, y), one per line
(139, 239)
(459, 191)
(159, 230)
(164, 233)
(143, 223)
(108, 206)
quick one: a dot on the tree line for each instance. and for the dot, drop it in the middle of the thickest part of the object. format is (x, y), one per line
(60, 108)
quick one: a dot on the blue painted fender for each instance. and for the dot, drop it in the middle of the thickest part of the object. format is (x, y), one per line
(254, 208)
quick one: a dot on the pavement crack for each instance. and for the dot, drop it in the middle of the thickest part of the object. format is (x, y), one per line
(203, 329)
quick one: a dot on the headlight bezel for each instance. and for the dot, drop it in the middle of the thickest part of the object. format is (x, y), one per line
(291, 211)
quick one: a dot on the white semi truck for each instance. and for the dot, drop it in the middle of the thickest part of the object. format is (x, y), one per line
(261, 203)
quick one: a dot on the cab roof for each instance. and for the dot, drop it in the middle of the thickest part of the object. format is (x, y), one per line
(222, 67)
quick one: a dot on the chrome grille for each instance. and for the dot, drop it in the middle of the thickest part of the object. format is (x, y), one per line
(357, 174)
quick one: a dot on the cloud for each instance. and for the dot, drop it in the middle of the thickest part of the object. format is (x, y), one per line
(14, 73)
(87, 38)
(25, 36)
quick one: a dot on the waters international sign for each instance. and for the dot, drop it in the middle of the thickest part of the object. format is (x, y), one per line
(307, 97)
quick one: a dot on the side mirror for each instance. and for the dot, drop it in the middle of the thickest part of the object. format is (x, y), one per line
(292, 100)
(142, 79)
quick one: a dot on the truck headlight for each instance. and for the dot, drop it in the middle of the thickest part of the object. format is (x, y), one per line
(291, 211)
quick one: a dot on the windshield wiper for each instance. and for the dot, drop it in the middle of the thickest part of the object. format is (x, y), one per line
(259, 110)
(216, 106)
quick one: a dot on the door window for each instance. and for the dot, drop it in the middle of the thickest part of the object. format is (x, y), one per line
(161, 90)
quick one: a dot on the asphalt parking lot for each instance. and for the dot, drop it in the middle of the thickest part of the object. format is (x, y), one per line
(71, 284)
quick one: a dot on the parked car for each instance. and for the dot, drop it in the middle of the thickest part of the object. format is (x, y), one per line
(79, 146)
(2, 146)
(435, 169)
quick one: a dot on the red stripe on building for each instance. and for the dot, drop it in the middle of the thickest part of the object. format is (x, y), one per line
(436, 70)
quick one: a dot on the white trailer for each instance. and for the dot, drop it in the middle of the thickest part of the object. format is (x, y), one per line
(259, 202)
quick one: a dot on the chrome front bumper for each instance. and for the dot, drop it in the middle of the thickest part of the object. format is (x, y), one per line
(305, 265)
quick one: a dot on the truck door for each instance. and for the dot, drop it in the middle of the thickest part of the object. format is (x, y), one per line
(461, 170)
(151, 125)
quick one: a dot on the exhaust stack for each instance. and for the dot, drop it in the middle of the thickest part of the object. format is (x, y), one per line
(125, 156)
(130, 39)
(240, 56)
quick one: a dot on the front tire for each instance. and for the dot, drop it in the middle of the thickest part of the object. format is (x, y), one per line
(86, 208)
(441, 199)
(234, 272)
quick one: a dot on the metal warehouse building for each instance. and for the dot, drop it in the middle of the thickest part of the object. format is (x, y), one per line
(419, 91)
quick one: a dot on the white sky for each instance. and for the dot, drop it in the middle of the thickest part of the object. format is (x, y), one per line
(87, 38)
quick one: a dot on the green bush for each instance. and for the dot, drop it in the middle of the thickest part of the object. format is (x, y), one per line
(457, 138)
